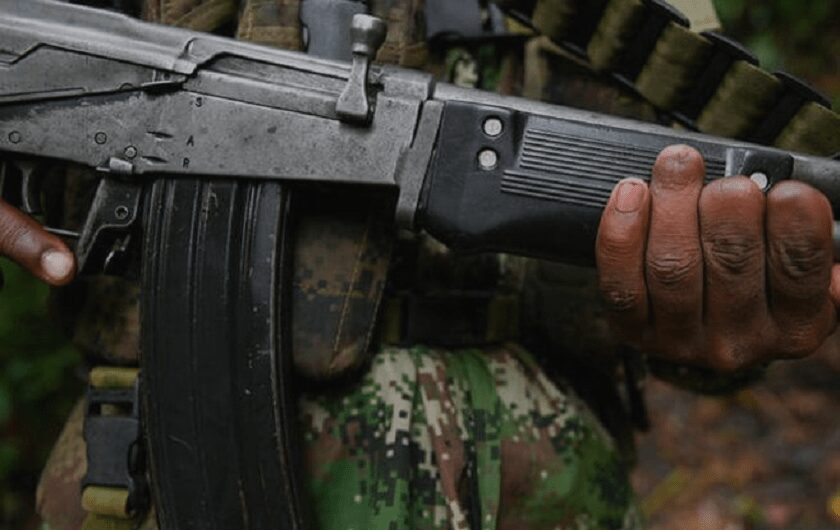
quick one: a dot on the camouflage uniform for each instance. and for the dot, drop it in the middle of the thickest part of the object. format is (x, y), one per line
(420, 437)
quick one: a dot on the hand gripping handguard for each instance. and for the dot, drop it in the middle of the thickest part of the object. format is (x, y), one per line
(197, 138)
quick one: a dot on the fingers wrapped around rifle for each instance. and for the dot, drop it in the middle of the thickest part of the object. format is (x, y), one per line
(620, 254)
(799, 262)
(674, 258)
(736, 318)
(717, 275)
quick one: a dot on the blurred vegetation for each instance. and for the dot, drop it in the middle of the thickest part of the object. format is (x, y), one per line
(38, 387)
(38, 383)
(798, 36)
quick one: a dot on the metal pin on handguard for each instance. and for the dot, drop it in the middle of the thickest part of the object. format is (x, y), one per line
(368, 35)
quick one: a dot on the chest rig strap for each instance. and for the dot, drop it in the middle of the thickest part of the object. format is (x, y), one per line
(114, 489)
(703, 81)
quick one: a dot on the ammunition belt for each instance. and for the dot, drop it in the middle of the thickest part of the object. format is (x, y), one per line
(701, 81)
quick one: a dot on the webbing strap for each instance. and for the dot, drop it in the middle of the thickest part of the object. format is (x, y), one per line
(450, 319)
(113, 377)
(101, 522)
(110, 428)
(703, 80)
(111, 503)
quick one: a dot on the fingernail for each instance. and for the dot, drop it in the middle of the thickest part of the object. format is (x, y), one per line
(56, 264)
(629, 197)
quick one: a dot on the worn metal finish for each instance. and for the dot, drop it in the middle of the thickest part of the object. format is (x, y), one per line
(368, 34)
(415, 164)
(151, 99)
(134, 99)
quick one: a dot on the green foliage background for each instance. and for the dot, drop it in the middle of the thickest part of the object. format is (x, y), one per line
(38, 386)
(38, 369)
(799, 36)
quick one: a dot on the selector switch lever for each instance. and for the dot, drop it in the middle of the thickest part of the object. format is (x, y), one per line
(368, 34)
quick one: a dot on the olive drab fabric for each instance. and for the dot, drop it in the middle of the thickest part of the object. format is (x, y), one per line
(741, 103)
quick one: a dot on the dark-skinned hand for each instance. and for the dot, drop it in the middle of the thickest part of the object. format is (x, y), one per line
(719, 276)
(25, 242)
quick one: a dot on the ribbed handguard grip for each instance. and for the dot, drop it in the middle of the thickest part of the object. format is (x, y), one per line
(508, 181)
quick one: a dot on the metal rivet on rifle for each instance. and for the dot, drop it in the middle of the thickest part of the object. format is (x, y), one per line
(15, 137)
(760, 180)
(130, 152)
(121, 212)
(488, 159)
(100, 138)
(493, 127)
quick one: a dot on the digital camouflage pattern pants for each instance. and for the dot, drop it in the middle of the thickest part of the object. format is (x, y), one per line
(470, 439)
(432, 439)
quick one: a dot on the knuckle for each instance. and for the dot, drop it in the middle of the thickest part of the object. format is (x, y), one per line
(802, 256)
(801, 341)
(730, 358)
(614, 242)
(802, 337)
(621, 299)
(674, 350)
(735, 254)
(673, 269)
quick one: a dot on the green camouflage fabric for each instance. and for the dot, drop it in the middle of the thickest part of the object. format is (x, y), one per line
(423, 438)
(475, 439)
(433, 439)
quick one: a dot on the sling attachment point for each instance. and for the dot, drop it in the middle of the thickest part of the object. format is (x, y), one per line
(114, 489)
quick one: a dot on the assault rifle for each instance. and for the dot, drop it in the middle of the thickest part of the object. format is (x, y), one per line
(198, 138)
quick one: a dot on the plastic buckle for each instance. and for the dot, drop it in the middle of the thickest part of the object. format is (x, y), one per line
(113, 436)
(725, 53)
(659, 15)
(795, 94)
